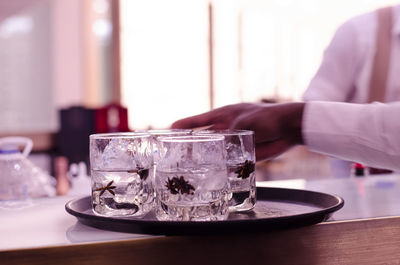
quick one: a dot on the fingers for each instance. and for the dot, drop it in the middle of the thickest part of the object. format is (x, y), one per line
(193, 122)
(269, 150)
(258, 120)
(219, 119)
(222, 118)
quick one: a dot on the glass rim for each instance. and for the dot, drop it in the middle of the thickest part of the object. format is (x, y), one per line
(161, 132)
(122, 135)
(227, 132)
(191, 138)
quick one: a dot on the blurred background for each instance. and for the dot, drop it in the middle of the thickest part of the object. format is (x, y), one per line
(69, 68)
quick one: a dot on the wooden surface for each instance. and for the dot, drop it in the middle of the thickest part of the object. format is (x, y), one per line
(41, 141)
(370, 241)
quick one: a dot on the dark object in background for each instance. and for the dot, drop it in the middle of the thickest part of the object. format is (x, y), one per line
(377, 171)
(77, 123)
(111, 118)
(359, 170)
(269, 100)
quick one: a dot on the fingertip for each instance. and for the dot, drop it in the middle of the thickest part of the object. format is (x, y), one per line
(180, 124)
(193, 122)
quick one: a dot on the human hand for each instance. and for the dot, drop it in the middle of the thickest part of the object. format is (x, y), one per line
(277, 127)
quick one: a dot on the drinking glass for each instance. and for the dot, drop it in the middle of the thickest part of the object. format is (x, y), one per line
(122, 179)
(165, 132)
(241, 166)
(191, 179)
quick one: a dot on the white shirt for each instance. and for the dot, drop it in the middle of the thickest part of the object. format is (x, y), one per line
(367, 133)
(344, 73)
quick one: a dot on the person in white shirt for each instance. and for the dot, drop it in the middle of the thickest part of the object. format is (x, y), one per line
(360, 65)
(347, 66)
(366, 133)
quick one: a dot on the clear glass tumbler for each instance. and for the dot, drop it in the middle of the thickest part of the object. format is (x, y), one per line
(165, 132)
(241, 166)
(121, 172)
(191, 179)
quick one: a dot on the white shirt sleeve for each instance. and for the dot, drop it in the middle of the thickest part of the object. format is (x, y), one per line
(334, 80)
(366, 133)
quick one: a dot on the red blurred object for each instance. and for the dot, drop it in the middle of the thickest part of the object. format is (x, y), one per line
(111, 118)
(358, 165)
(359, 170)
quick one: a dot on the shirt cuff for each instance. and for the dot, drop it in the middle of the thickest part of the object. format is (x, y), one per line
(334, 128)
(366, 133)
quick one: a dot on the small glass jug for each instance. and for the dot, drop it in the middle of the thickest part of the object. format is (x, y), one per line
(19, 178)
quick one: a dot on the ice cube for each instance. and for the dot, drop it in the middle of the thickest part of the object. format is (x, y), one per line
(118, 154)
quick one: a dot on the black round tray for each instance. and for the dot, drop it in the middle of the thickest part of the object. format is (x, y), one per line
(276, 208)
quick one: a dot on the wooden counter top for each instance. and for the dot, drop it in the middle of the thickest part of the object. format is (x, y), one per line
(352, 236)
(370, 241)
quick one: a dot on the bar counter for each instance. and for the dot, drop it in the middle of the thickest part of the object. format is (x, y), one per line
(365, 231)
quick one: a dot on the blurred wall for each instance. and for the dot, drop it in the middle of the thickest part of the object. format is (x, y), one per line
(26, 89)
(52, 56)
(67, 52)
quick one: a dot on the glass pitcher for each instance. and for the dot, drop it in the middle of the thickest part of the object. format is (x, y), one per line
(19, 178)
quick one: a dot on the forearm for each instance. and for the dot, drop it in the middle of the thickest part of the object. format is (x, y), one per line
(291, 120)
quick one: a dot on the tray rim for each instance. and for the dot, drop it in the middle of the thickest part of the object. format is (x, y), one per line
(317, 216)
